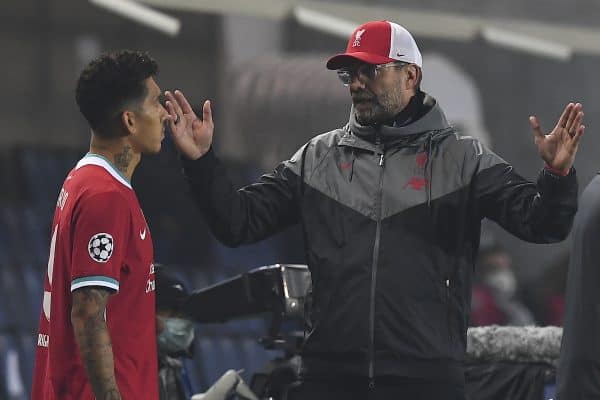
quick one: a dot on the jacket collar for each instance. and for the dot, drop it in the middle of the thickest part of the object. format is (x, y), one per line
(364, 137)
(432, 120)
(351, 140)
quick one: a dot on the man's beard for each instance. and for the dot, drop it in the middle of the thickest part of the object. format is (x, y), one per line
(371, 116)
(373, 112)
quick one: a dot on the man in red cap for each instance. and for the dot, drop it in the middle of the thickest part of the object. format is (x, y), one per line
(391, 206)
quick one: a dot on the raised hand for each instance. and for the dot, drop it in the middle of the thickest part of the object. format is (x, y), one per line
(559, 147)
(192, 135)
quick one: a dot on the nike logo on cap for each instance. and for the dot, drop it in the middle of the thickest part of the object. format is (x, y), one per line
(143, 234)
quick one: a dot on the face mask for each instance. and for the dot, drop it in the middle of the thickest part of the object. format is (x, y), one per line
(177, 336)
(502, 281)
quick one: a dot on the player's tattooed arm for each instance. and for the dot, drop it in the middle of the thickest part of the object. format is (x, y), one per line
(93, 339)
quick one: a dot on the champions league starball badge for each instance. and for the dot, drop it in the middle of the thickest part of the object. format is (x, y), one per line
(101, 247)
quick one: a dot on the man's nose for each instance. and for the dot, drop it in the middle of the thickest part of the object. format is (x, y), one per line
(357, 81)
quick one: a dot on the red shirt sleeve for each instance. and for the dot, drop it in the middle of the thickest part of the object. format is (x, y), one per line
(101, 227)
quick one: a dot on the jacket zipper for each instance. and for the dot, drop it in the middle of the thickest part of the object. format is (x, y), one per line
(374, 275)
(448, 308)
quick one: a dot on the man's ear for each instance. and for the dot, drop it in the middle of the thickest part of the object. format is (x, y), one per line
(413, 74)
(128, 122)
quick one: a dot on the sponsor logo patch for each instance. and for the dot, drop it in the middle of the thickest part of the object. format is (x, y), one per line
(101, 247)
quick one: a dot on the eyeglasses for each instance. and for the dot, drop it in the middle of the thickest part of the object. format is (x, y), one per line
(371, 71)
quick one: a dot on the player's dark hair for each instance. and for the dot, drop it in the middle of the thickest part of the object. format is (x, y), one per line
(111, 82)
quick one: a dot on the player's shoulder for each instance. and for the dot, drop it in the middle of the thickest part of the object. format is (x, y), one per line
(93, 184)
(91, 175)
(95, 174)
(97, 169)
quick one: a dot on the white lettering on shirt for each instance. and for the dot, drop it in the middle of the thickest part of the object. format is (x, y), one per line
(43, 340)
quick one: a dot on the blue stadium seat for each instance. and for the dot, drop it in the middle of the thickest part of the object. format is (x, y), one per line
(10, 376)
(208, 355)
(14, 299)
(9, 234)
(215, 356)
(200, 278)
(194, 375)
(45, 169)
(5, 258)
(254, 327)
(67, 159)
(232, 354)
(9, 172)
(242, 259)
(33, 279)
(28, 346)
(255, 357)
(5, 321)
(40, 174)
(550, 392)
(35, 234)
(177, 272)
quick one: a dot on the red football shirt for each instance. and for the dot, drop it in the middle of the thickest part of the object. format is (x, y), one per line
(99, 238)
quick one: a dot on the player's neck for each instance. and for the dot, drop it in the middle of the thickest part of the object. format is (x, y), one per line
(119, 152)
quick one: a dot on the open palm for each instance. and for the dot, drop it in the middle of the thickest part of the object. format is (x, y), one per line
(192, 135)
(559, 147)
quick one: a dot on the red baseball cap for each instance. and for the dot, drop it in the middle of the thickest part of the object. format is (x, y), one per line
(379, 42)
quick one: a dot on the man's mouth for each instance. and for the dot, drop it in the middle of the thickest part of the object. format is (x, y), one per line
(357, 100)
(362, 103)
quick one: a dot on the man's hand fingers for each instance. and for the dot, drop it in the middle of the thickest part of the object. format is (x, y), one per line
(172, 115)
(578, 135)
(537, 129)
(562, 121)
(174, 103)
(207, 113)
(171, 109)
(575, 125)
(183, 103)
(170, 97)
(572, 117)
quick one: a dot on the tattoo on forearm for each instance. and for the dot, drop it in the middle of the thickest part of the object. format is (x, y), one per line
(93, 338)
(112, 395)
(123, 159)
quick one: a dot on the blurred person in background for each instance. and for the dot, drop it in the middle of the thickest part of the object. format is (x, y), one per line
(553, 291)
(97, 334)
(578, 373)
(391, 206)
(175, 335)
(495, 298)
(544, 294)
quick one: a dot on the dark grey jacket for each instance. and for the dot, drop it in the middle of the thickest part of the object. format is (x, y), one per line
(579, 363)
(391, 236)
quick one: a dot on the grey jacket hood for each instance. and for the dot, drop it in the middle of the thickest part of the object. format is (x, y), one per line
(433, 120)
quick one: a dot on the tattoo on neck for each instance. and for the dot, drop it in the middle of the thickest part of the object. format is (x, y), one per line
(123, 159)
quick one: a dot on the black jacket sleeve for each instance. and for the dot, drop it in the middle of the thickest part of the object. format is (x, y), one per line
(539, 213)
(249, 214)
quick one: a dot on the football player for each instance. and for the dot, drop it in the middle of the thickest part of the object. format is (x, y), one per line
(97, 337)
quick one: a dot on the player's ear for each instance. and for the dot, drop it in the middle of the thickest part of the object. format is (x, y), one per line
(128, 121)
